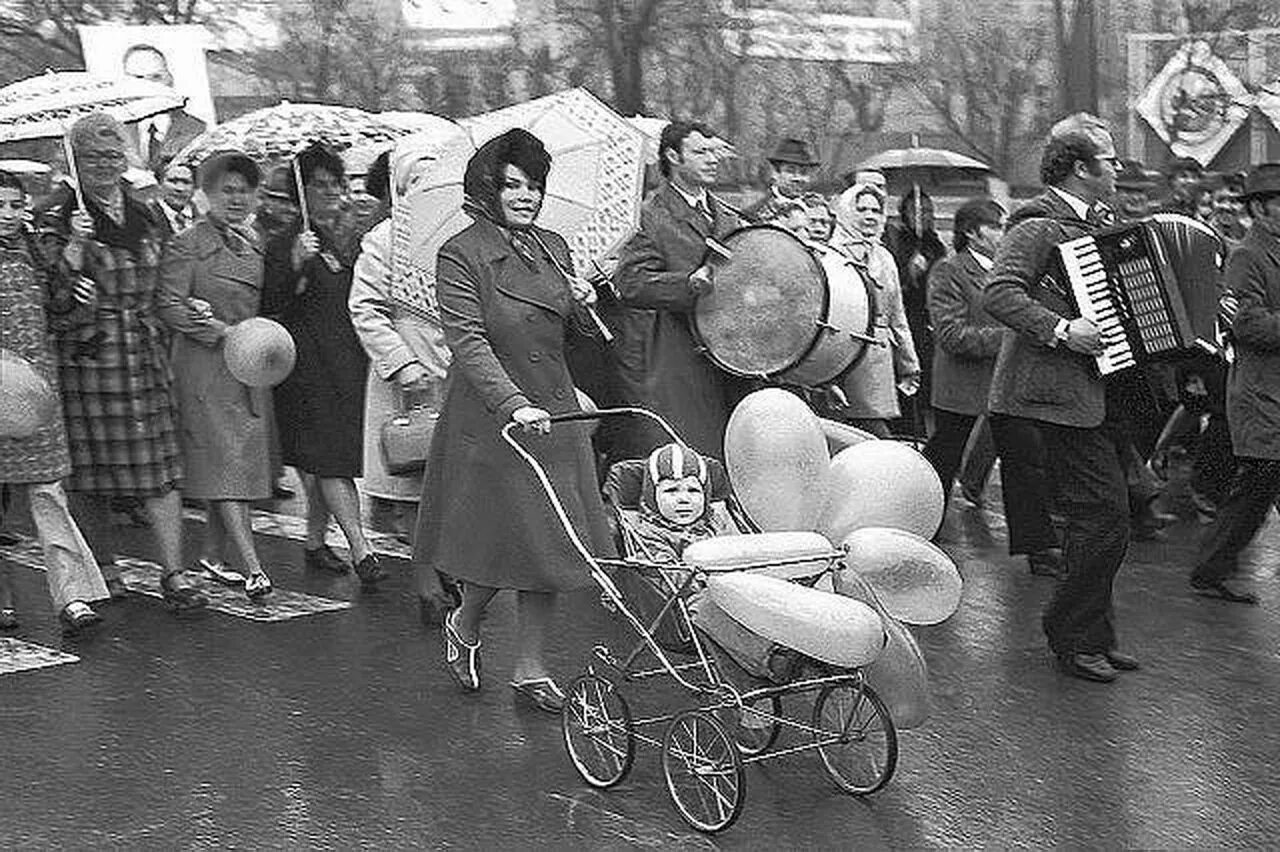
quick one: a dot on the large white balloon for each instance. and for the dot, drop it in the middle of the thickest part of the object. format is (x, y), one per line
(786, 555)
(913, 578)
(831, 628)
(27, 400)
(881, 484)
(777, 459)
(259, 352)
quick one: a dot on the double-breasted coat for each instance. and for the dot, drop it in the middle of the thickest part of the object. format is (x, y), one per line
(393, 335)
(660, 366)
(113, 356)
(484, 518)
(871, 385)
(1253, 387)
(223, 423)
(319, 408)
(966, 338)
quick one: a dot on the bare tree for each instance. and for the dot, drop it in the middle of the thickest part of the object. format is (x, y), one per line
(986, 77)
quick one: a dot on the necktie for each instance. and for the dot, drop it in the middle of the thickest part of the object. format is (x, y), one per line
(705, 210)
(1101, 215)
(182, 219)
(153, 142)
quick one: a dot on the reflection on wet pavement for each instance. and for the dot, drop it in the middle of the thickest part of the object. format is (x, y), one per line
(344, 730)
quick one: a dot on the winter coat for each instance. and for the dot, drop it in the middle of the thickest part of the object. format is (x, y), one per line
(484, 517)
(871, 386)
(1253, 389)
(660, 366)
(966, 338)
(1033, 376)
(393, 335)
(222, 423)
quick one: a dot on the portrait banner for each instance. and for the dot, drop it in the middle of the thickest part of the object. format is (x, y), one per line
(170, 54)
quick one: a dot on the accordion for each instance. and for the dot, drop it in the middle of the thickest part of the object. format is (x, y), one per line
(1151, 287)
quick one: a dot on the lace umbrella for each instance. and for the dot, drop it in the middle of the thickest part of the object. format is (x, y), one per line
(44, 106)
(276, 133)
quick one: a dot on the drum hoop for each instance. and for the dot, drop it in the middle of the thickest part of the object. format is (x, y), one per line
(873, 309)
(826, 306)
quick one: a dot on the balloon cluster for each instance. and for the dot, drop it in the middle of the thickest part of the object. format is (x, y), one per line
(881, 502)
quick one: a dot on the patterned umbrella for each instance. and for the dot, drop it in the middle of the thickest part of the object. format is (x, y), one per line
(596, 183)
(45, 106)
(278, 132)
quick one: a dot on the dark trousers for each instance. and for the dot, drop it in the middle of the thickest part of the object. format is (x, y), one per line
(946, 445)
(1253, 491)
(1215, 461)
(1094, 498)
(1027, 483)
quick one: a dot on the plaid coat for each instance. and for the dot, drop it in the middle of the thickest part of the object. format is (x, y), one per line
(113, 361)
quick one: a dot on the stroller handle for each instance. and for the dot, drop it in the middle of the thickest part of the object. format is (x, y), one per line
(621, 411)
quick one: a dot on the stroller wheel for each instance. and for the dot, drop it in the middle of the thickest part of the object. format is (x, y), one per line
(596, 724)
(855, 737)
(704, 771)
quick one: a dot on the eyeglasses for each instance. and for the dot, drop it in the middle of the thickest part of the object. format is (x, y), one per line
(1113, 160)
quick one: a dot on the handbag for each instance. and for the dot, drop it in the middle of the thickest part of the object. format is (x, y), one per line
(405, 438)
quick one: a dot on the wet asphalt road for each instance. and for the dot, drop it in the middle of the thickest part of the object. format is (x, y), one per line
(341, 730)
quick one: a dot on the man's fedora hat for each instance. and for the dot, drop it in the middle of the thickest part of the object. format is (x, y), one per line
(1263, 180)
(796, 152)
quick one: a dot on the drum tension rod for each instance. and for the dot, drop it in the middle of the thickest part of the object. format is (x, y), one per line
(865, 338)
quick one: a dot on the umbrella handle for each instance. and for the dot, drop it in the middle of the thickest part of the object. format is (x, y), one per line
(605, 332)
(302, 194)
(72, 171)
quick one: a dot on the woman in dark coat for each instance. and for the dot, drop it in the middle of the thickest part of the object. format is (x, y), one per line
(113, 358)
(320, 408)
(484, 518)
(211, 277)
(968, 338)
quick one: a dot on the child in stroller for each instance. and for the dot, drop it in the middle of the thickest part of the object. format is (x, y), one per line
(663, 504)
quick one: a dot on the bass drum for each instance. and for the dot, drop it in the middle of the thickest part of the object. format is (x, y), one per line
(842, 337)
(759, 319)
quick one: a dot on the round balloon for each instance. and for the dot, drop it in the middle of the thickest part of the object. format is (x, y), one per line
(27, 400)
(882, 484)
(259, 352)
(777, 460)
(913, 578)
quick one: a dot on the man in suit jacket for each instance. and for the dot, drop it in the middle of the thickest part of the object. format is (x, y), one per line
(1044, 372)
(161, 136)
(793, 164)
(658, 280)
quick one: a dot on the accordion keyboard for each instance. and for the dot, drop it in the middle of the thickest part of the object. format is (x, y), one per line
(1093, 295)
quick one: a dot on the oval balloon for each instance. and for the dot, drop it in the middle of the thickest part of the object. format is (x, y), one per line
(27, 400)
(831, 628)
(882, 484)
(259, 352)
(842, 435)
(913, 578)
(786, 555)
(777, 460)
(899, 675)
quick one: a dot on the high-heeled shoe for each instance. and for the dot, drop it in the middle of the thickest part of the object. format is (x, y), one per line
(370, 571)
(257, 585)
(8, 619)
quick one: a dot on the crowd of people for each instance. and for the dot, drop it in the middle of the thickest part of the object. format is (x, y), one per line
(123, 303)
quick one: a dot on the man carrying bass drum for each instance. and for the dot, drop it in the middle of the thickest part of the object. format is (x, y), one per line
(658, 281)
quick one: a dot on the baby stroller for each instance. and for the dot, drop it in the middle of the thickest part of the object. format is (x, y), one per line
(706, 743)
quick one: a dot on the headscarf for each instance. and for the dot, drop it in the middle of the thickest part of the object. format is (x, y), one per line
(486, 172)
(671, 461)
(847, 210)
